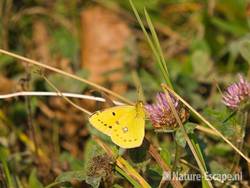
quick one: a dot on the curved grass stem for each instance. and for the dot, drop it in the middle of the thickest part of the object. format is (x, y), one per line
(33, 62)
(207, 123)
(196, 154)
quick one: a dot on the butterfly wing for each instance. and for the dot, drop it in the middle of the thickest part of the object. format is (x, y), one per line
(130, 131)
(125, 124)
(106, 120)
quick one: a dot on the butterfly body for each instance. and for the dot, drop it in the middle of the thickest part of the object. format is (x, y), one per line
(124, 124)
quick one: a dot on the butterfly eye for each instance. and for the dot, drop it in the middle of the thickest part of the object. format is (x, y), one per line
(113, 113)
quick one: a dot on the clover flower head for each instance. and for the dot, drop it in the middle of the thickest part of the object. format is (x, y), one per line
(237, 94)
(161, 114)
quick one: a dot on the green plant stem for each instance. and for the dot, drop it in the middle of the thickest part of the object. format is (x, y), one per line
(7, 174)
(53, 184)
(177, 156)
(131, 180)
(243, 118)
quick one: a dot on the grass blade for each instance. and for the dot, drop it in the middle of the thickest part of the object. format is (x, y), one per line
(158, 47)
(150, 42)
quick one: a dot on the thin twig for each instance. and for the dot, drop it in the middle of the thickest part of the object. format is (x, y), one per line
(68, 100)
(45, 93)
(82, 96)
(27, 60)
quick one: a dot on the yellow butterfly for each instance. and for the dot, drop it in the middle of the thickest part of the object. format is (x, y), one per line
(124, 124)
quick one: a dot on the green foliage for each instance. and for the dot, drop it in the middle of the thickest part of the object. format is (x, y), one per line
(195, 45)
(220, 149)
(67, 84)
(75, 164)
(65, 43)
(5, 61)
(165, 153)
(139, 4)
(4, 155)
(33, 180)
(91, 151)
(155, 175)
(244, 49)
(218, 116)
(78, 175)
(179, 135)
(138, 155)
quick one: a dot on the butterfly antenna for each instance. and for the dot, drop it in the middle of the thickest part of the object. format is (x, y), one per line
(219, 89)
(139, 89)
(66, 98)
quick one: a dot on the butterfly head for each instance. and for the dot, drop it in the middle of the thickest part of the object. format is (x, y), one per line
(140, 109)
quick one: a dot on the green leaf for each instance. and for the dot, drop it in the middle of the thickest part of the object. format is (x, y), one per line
(74, 163)
(229, 26)
(166, 155)
(154, 175)
(33, 180)
(78, 175)
(129, 178)
(190, 127)
(205, 183)
(221, 149)
(4, 153)
(151, 41)
(94, 181)
(202, 65)
(158, 47)
(180, 136)
(65, 43)
(149, 80)
(219, 168)
(140, 4)
(5, 60)
(218, 116)
(91, 150)
(245, 50)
